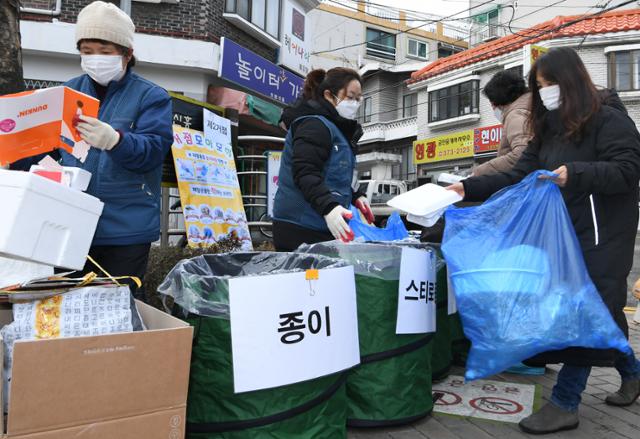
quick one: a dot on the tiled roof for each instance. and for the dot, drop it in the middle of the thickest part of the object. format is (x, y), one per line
(614, 21)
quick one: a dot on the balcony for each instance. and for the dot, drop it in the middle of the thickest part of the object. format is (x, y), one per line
(481, 34)
(387, 131)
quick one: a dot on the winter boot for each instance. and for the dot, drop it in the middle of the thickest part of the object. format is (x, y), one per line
(549, 419)
(627, 394)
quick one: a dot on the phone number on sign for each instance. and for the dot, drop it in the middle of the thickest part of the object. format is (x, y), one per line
(455, 151)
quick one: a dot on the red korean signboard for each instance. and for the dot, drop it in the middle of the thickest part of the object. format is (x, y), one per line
(487, 139)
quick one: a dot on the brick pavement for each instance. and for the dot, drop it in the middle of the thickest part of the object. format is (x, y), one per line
(597, 420)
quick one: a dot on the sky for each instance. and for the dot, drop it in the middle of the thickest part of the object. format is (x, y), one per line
(438, 7)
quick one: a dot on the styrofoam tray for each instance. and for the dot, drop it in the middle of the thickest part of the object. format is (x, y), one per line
(424, 200)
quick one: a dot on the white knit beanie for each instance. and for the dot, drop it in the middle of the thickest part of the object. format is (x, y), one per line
(105, 21)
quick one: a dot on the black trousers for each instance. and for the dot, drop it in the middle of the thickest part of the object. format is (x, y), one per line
(287, 236)
(121, 260)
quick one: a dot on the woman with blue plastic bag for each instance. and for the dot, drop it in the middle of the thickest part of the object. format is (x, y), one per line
(594, 149)
(317, 182)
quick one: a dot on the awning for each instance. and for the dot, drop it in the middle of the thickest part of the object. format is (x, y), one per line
(246, 104)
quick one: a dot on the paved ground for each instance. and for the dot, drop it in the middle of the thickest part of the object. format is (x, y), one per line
(597, 420)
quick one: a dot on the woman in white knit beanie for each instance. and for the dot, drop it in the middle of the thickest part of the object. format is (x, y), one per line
(129, 139)
(104, 37)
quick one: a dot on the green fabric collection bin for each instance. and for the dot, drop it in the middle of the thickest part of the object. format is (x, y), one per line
(392, 385)
(450, 345)
(200, 289)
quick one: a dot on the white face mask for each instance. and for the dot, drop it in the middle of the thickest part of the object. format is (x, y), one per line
(348, 108)
(550, 97)
(103, 68)
(497, 112)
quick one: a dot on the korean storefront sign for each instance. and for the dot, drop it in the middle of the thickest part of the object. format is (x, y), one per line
(487, 139)
(292, 327)
(295, 53)
(531, 53)
(208, 183)
(247, 69)
(447, 147)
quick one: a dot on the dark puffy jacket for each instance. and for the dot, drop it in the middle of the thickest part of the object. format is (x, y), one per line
(312, 148)
(601, 196)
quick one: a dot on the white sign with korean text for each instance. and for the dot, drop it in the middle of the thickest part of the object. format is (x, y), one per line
(294, 52)
(217, 130)
(417, 292)
(287, 329)
(452, 305)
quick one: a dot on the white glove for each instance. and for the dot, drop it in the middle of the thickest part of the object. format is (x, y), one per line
(337, 225)
(97, 133)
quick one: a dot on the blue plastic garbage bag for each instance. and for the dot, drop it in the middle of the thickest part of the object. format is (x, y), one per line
(393, 231)
(520, 280)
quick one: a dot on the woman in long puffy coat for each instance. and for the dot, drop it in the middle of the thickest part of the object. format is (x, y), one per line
(595, 151)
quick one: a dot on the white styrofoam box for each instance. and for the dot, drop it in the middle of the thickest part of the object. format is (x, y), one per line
(45, 222)
(424, 200)
(79, 178)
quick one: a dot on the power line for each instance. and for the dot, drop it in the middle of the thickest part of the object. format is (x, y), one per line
(366, 2)
(584, 17)
(403, 31)
(547, 31)
(529, 38)
(431, 52)
(543, 7)
(436, 51)
(421, 17)
(403, 82)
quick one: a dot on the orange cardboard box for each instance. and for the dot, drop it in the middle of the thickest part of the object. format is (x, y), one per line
(125, 386)
(36, 122)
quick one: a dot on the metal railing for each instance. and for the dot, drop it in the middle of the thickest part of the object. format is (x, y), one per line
(252, 175)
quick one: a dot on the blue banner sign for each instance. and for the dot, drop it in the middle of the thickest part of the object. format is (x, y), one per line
(247, 69)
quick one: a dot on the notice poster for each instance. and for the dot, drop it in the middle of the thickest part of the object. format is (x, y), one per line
(292, 327)
(36, 122)
(209, 189)
(273, 175)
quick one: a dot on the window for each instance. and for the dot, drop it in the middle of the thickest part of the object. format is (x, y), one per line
(445, 50)
(518, 70)
(365, 110)
(418, 49)
(624, 70)
(454, 101)
(263, 14)
(410, 105)
(381, 44)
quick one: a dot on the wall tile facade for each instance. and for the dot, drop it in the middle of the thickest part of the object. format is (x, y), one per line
(188, 19)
